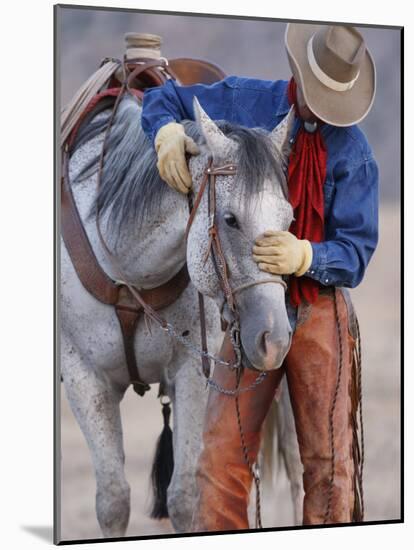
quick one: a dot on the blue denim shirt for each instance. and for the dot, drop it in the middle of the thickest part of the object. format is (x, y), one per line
(351, 186)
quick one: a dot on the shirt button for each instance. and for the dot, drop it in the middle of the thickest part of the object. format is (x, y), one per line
(326, 280)
(312, 272)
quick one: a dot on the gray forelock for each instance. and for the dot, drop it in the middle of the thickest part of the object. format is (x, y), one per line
(131, 189)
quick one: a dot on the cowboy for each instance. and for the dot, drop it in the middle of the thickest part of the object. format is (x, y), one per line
(333, 188)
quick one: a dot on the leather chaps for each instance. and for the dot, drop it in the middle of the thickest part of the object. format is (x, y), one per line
(311, 366)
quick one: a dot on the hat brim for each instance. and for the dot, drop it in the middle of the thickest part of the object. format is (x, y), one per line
(336, 108)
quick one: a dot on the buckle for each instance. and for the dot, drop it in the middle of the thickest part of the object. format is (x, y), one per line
(310, 127)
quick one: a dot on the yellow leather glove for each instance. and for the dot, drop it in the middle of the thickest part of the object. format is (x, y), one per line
(171, 144)
(281, 253)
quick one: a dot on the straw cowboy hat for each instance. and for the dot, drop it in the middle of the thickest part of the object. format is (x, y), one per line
(334, 69)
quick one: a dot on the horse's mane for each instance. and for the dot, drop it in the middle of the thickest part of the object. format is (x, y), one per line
(131, 188)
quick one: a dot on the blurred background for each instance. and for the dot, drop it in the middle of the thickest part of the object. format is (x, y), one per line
(255, 49)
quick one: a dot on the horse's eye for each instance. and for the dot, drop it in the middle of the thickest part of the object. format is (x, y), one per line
(231, 220)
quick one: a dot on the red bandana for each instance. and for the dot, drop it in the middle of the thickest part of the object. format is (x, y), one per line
(306, 176)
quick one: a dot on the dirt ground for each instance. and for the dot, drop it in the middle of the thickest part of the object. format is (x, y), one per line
(377, 302)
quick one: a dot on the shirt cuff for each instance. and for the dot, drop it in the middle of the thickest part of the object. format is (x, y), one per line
(162, 121)
(317, 269)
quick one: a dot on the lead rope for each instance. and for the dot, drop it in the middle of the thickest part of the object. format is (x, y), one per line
(253, 471)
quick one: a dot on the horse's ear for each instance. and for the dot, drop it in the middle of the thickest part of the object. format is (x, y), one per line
(217, 142)
(281, 135)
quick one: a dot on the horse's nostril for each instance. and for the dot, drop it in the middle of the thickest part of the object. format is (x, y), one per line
(271, 347)
(266, 349)
(264, 342)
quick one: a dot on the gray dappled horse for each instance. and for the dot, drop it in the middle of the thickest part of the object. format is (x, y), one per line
(144, 222)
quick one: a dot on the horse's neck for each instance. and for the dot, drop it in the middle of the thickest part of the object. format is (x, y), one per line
(148, 255)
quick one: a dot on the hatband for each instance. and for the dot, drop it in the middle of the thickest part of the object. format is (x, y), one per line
(323, 77)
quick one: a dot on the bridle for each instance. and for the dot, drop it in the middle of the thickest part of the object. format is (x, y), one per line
(215, 251)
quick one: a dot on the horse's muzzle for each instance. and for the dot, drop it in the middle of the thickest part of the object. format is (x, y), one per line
(269, 350)
(265, 330)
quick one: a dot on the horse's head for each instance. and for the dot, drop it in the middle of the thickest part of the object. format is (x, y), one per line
(247, 204)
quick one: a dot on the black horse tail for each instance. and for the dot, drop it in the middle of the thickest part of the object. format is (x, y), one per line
(162, 467)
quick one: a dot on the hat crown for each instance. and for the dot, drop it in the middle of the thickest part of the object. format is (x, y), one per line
(338, 51)
(334, 70)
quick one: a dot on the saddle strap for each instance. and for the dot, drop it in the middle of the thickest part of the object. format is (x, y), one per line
(94, 278)
(103, 288)
(90, 273)
(128, 319)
